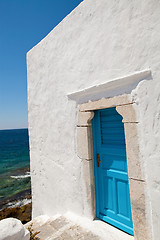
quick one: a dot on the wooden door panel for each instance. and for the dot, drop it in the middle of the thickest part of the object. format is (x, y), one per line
(112, 187)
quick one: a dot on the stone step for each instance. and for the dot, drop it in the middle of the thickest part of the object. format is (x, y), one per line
(60, 229)
(73, 227)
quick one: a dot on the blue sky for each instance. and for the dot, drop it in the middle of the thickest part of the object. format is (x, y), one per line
(23, 23)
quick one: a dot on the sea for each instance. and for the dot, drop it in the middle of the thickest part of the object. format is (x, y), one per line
(15, 183)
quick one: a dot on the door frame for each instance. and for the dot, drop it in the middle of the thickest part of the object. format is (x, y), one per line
(113, 222)
(127, 109)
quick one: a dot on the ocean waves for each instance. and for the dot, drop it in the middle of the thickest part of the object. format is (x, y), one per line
(18, 203)
(26, 175)
(14, 163)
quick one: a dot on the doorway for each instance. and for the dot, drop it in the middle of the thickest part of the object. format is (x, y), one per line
(111, 174)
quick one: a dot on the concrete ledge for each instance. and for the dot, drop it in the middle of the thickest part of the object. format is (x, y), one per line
(13, 229)
(113, 87)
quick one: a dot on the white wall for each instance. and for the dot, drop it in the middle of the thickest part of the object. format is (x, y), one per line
(98, 41)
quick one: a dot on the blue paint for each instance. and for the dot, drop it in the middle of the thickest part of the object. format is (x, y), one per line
(111, 178)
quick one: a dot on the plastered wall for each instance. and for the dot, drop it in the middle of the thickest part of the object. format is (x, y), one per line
(97, 42)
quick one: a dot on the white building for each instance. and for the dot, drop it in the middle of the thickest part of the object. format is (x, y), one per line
(104, 55)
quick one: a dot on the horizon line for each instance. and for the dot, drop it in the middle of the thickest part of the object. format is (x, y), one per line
(13, 128)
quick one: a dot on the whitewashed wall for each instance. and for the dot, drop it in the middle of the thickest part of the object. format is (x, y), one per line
(100, 40)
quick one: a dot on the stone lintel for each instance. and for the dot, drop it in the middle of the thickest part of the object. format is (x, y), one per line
(106, 103)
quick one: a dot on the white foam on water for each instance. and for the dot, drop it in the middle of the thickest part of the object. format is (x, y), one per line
(22, 176)
(19, 203)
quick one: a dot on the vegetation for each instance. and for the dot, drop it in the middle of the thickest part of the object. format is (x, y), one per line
(33, 235)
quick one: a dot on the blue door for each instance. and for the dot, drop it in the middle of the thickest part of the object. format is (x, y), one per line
(111, 174)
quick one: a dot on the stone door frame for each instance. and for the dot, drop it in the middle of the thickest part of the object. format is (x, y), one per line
(127, 109)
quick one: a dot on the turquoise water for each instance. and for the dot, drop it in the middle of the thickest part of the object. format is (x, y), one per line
(14, 162)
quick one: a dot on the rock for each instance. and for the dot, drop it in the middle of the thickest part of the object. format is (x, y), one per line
(13, 229)
(25, 194)
(23, 213)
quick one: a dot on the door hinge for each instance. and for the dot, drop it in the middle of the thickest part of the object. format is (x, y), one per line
(98, 160)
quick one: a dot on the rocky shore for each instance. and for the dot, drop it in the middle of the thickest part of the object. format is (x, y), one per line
(22, 213)
(15, 207)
